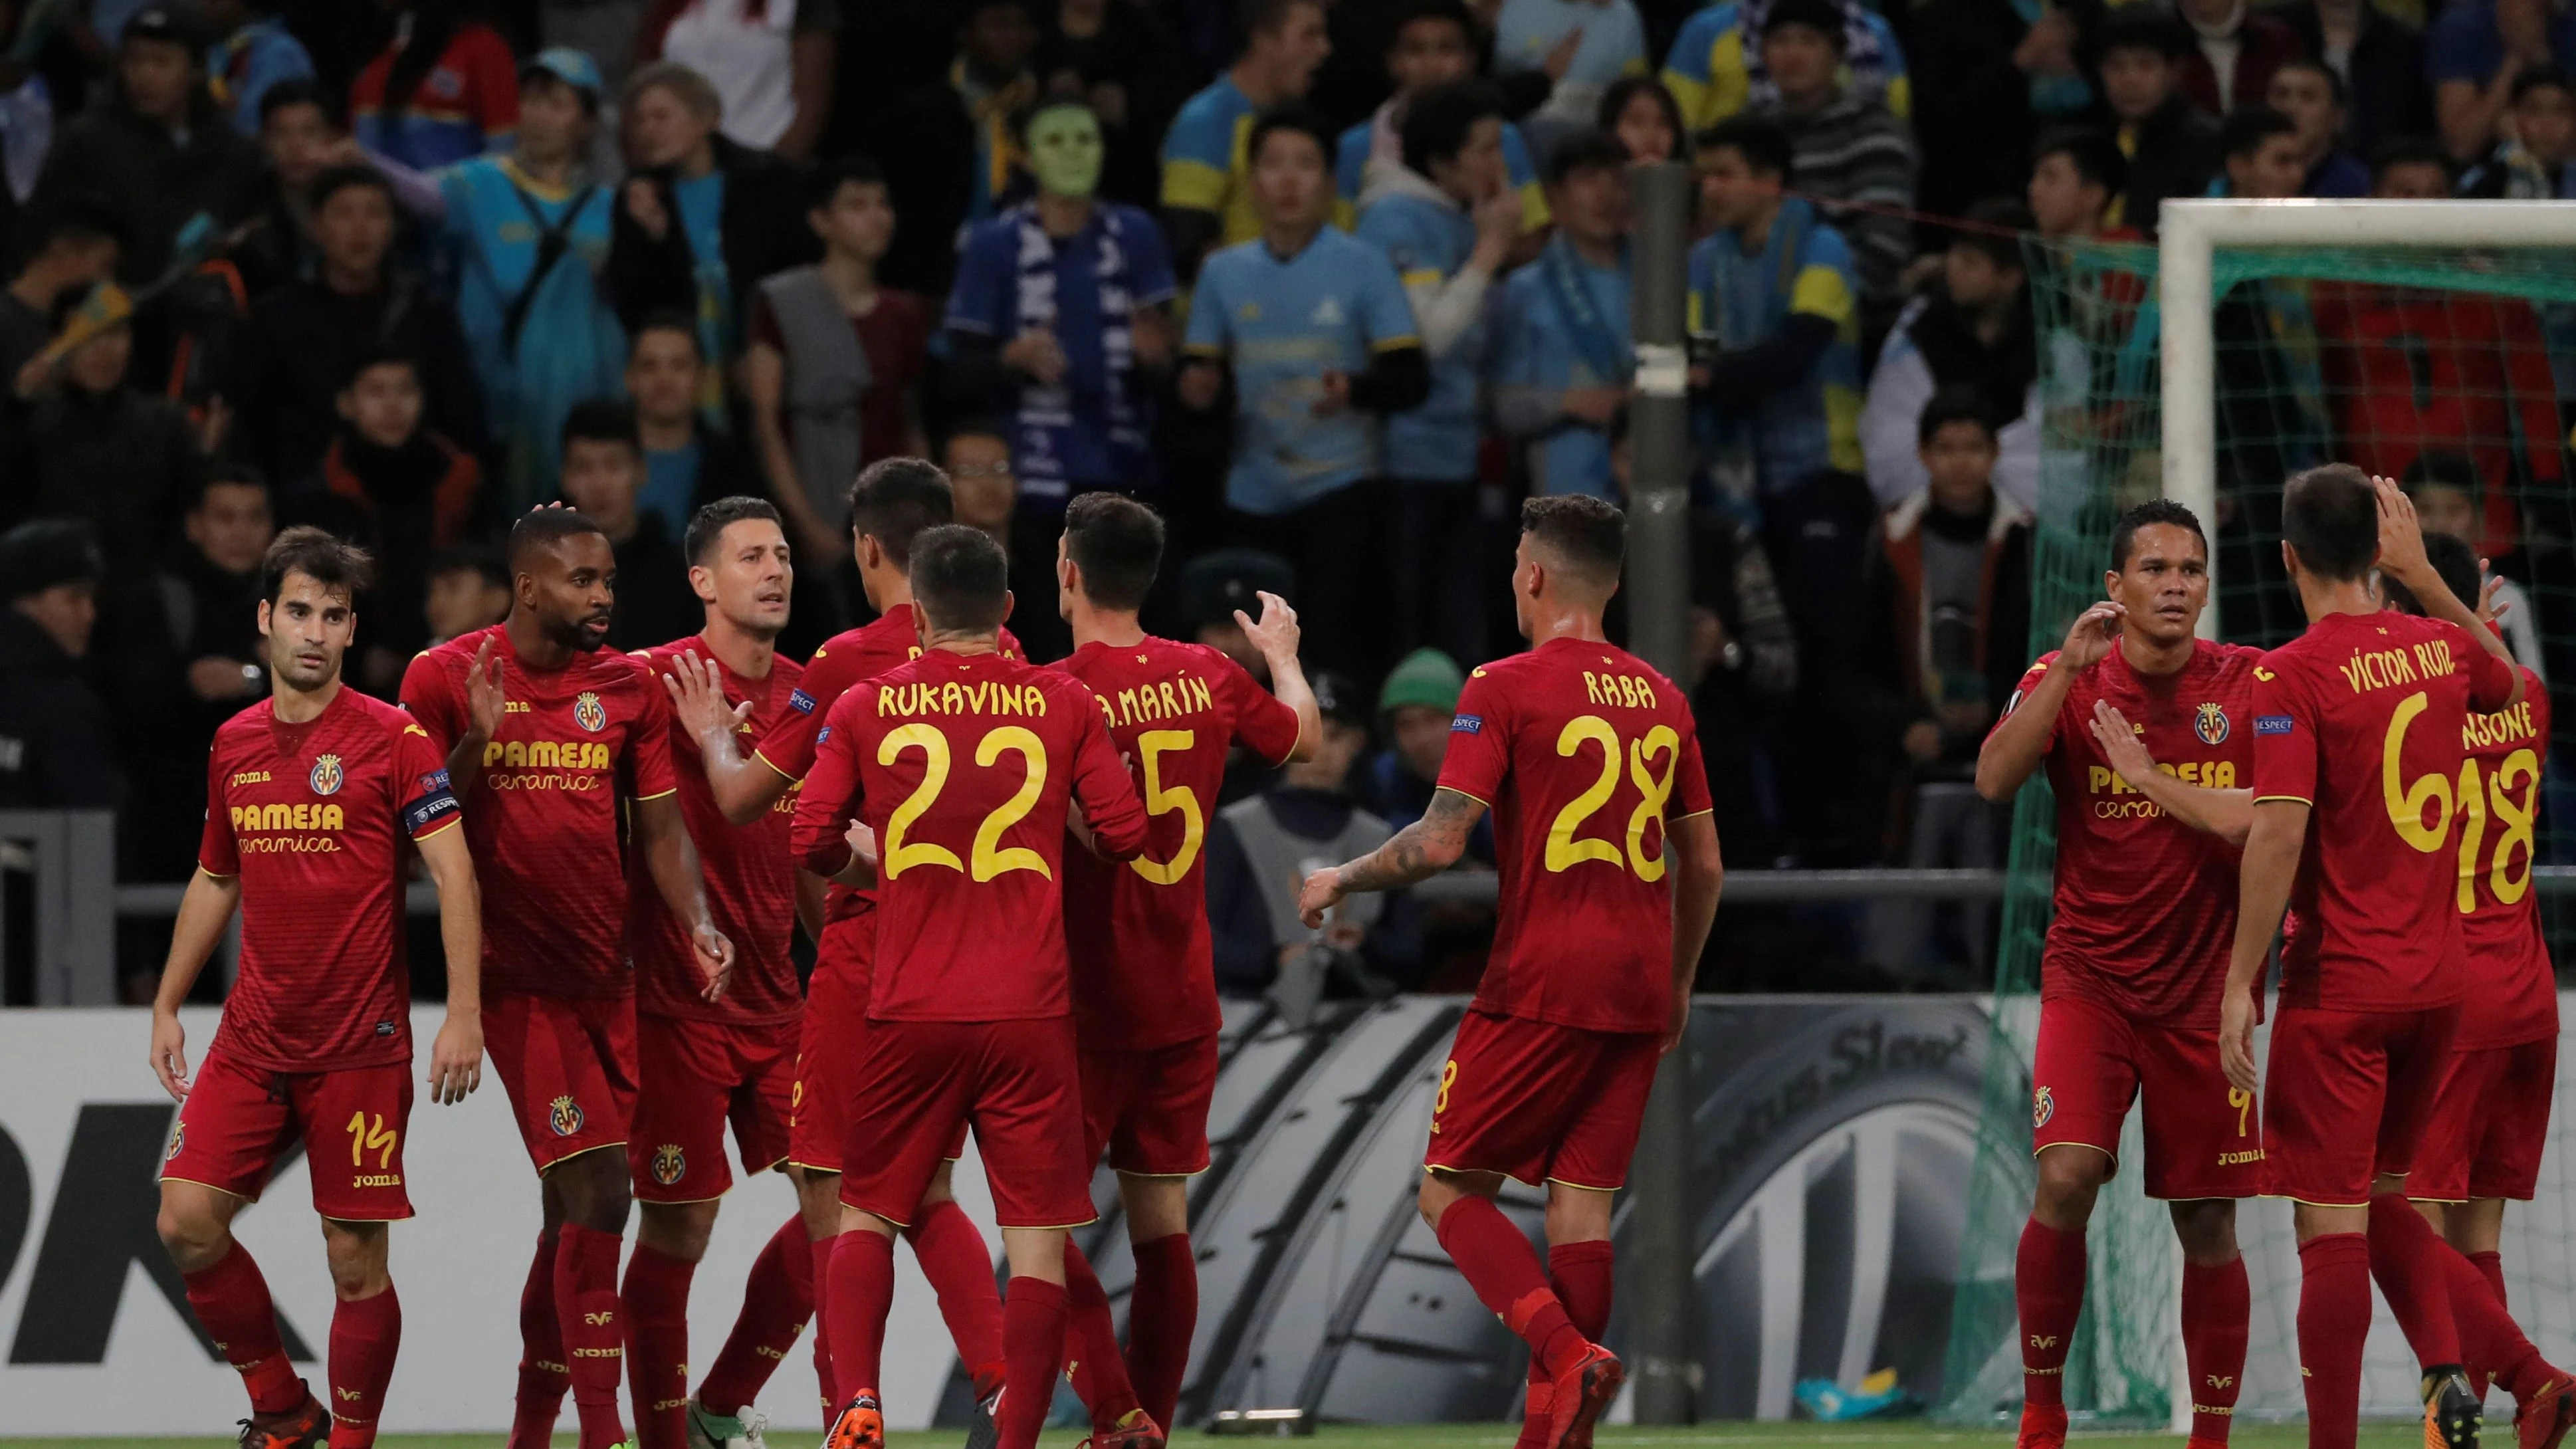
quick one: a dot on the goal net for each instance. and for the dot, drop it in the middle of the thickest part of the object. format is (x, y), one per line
(2431, 342)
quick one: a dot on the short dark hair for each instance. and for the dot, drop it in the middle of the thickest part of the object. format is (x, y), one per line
(1759, 140)
(1291, 116)
(2091, 151)
(896, 499)
(1614, 104)
(668, 319)
(2409, 151)
(335, 179)
(1438, 121)
(1117, 542)
(708, 524)
(603, 420)
(225, 473)
(1445, 12)
(2330, 516)
(379, 354)
(1256, 17)
(2248, 127)
(339, 566)
(1960, 402)
(295, 91)
(2443, 468)
(1587, 535)
(2142, 28)
(2454, 561)
(2154, 513)
(1995, 227)
(1822, 16)
(1590, 149)
(961, 577)
(78, 219)
(469, 558)
(2538, 77)
(2334, 78)
(853, 170)
(544, 528)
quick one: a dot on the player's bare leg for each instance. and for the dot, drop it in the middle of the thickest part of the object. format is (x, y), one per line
(2495, 1345)
(777, 1301)
(2048, 1282)
(1495, 1257)
(596, 1195)
(670, 1238)
(232, 1303)
(2216, 1303)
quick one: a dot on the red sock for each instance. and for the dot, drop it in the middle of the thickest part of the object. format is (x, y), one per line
(2493, 1344)
(2216, 1304)
(2490, 1266)
(2334, 1319)
(959, 1264)
(2406, 1261)
(1579, 1275)
(821, 1258)
(544, 1373)
(776, 1300)
(1033, 1320)
(862, 1293)
(231, 1300)
(1496, 1260)
(594, 1329)
(1098, 1370)
(1162, 1314)
(364, 1334)
(657, 1346)
(2048, 1287)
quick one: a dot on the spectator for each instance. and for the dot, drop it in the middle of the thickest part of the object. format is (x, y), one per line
(403, 490)
(303, 341)
(2475, 52)
(977, 459)
(92, 446)
(2264, 157)
(1717, 68)
(2534, 164)
(54, 729)
(1844, 145)
(1645, 118)
(1974, 330)
(1258, 851)
(1206, 592)
(156, 150)
(834, 371)
(1609, 40)
(2172, 148)
(686, 466)
(2234, 54)
(71, 246)
(529, 244)
(1122, 61)
(1414, 708)
(2445, 485)
(469, 589)
(256, 52)
(771, 63)
(1434, 43)
(301, 140)
(2077, 175)
(603, 474)
(445, 90)
(1994, 73)
(1560, 349)
(1060, 328)
(1207, 179)
(1774, 322)
(1315, 333)
(2411, 169)
(1446, 217)
(2312, 96)
(2378, 57)
(951, 148)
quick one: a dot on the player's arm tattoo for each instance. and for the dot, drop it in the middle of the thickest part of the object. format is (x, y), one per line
(1421, 850)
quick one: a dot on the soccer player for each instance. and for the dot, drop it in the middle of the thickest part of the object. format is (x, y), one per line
(2358, 722)
(1144, 980)
(706, 1062)
(890, 504)
(309, 796)
(2138, 949)
(546, 737)
(1610, 876)
(964, 766)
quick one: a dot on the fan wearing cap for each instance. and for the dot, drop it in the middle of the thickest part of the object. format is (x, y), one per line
(53, 727)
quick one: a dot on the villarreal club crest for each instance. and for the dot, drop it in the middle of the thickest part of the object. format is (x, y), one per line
(327, 776)
(589, 713)
(2210, 723)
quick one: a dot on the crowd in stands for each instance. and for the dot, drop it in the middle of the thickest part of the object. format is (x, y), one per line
(1330, 284)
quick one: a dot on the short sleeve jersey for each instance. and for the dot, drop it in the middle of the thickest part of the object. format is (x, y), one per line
(1710, 69)
(311, 818)
(1583, 753)
(2512, 988)
(751, 879)
(544, 819)
(1361, 143)
(1136, 931)
(1205, 167)
(1428, 242)
(2362, 717)
(2146, 905)
(965, 766)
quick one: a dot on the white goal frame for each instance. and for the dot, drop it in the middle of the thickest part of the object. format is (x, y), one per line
(2191, 231)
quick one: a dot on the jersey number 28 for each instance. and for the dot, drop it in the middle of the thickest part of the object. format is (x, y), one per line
(1566, 847)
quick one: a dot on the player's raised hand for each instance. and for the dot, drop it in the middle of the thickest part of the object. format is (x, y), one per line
(863, 843)
(170, 1054)
(2401, 537)
(2236, 1040)
(697, 698)
(456, 1060)
(1322, 892)
(485, 701)
(715, 959)
(1275, 632)
(2090, 637)
(2490, 613)
(2120, 743)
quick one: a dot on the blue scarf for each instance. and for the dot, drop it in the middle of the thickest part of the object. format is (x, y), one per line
(1052, 407)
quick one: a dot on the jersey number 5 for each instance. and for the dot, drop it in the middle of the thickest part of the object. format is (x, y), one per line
(990, 859)
(1565, 846)
(1161, 799)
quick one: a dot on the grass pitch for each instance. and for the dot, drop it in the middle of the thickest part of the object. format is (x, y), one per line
(1898, 1433)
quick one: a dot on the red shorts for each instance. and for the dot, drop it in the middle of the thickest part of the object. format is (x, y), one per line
(239, 1119)
(697, 1076)
(920, 1082)
(828, 1040)
(1149, 1108)
(568, 1063)
(2490, 1119)
(1541, 1103)
(2349, 1093)
(2204, 1138)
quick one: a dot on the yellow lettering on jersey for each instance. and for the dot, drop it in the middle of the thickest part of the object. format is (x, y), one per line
(2435, 656)
(2484, 731)
(514, 706)
(2383, 669)
(544, 755)
(995, 697)
(251, 777)
(1630, 691)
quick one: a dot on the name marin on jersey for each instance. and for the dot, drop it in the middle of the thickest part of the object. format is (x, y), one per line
(1157, 700)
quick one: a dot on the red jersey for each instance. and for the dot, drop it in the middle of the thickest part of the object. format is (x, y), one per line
(2512, 989)
(1137, 931)
(311, 818)
(751, 878)
(965, 766)
(1582, 752)
(2361, 716)
(543, 820)
(2146, 906)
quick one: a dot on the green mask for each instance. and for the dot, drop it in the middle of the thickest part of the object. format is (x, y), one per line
(1064, 150)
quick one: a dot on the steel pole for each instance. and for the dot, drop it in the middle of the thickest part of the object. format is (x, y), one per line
(1658, 1266)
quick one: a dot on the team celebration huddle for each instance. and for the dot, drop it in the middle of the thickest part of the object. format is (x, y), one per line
(1001, 868)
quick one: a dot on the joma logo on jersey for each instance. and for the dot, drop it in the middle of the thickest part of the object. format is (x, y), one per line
(514, 706)
(1162, 700)
(300, 816)
(546, 755)
(670, 1164)
(2480, 731)
(376, 1179)
(1631, 690)
(982, 697)
(588, 712)
(2240, 1159)
(251, 777)
(327, 776)
(564, 1115)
